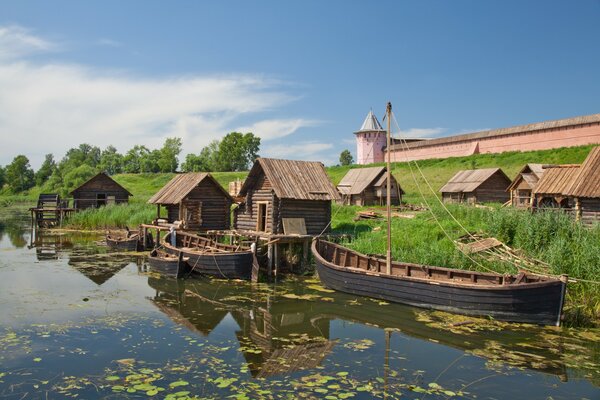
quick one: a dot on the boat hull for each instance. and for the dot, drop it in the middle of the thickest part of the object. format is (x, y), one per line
(223, 264)
(174, 266)
(539, 303)
(122, 244)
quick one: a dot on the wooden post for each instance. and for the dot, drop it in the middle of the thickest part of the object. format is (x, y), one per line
(305, 253)
(145, 237)
(388, 195)
(276, 258)
(577, 209)
(270, 260)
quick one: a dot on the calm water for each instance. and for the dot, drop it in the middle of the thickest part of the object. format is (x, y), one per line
(79, 322)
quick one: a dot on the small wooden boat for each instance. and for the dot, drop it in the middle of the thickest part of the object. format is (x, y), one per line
(168, 264)
(128, 241)
(524, 297)
(208, 257)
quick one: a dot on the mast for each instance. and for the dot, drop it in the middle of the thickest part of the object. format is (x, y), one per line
(388, 261)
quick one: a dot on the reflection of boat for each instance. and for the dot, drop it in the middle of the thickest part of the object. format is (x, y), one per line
(173, 265)
(522, 298)
(128, 241)
(209, 257)
(525, 297)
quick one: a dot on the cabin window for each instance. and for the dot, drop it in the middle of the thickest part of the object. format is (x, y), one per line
(100, 199)
(262, 215)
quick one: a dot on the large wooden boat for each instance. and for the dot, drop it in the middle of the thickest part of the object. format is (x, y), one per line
(209, 257)
(167, 264)
(123, 241)
(518, 298)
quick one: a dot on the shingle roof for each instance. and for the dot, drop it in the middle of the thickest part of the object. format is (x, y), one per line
(557, 179)
(587, 182)
(292, 179)
(468, 180)
(180, 186)
(559, 123)
(101, 175)
(357, 180)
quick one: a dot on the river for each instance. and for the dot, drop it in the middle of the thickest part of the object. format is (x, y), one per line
(79, 322)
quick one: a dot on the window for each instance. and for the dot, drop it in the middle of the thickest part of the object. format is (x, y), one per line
(261, 220)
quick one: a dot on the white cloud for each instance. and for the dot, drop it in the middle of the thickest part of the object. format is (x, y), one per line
(277, 128)
(297, 151)
(48, 108)
(16, 41)
(108, 42)
(420, 132)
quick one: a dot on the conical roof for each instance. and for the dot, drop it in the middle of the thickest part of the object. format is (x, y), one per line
(370, 124)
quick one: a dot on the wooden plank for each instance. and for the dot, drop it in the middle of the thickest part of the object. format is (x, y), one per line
(293, 226)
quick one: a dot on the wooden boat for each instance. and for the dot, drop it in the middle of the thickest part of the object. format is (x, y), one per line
(522, 298)
(168, 264)
(128, 241)
(208, 257)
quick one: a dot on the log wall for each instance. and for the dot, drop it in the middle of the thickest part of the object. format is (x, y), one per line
(86, 195)
(589, 210)
(246, 216)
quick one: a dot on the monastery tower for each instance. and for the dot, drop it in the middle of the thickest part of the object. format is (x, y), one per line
(370, 141)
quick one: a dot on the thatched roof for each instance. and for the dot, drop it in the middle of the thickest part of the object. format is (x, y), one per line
(292, 179)
(559, 123)
(100, 176)
(587, 182)
(180, 186)
(557, 179)
(469, 180)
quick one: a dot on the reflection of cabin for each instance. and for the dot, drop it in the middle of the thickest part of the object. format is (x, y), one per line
(472, 186)
(521, 188)
(286, 192)
(197, 200)
(585, 189)
(98, 191)
(551, 188)
(368, 186)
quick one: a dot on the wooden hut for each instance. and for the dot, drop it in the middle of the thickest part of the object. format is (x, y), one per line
(551, 189)
(285, 197)
(522, 187)
(477, 186)
(98, 191)
(197, 200)
(585, 190)
(368, 186)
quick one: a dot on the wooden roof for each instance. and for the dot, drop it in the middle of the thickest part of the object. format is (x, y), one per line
(530, 173)
(292, 179)
(101, 175)
(557, 179)
(581, 120)
(357, 180)
(180, 186)
(587, 182)
(466, 181)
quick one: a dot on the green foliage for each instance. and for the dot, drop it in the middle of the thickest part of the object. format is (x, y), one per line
(2, 177)
(111, 161)
(110, 216)
(141, 160)
(76, 177)
(167, 159)
(19, 174)
(346, 158)
(237, 151)
(46, 170)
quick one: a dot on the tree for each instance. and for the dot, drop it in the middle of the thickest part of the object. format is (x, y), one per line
(237, 151)
(46, 170)
(76, 177)
(19, 174)
(167, 161)
(111, 161)
(2, 178)
(133, 159)
(346, 158)
(193, 163)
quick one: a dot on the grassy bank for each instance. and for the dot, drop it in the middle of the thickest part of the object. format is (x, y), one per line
(113, 216)
(553, 238)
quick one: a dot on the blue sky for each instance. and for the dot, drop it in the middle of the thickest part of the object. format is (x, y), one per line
(302, 75)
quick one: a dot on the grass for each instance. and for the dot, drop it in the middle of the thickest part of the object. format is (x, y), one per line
(120, 215)
(568, 247)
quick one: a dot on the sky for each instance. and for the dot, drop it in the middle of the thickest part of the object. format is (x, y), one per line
(302, 75)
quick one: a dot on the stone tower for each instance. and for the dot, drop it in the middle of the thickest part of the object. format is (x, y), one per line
(370, 141)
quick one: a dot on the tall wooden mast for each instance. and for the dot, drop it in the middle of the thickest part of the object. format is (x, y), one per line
(388, 261)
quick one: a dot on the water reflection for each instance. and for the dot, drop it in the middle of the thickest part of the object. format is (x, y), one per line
(280, 335)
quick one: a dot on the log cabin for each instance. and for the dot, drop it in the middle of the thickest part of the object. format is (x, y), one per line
(368, 187)
(99, 191)
(551, 189)
(197, 200)
(522, 187)
(585, 190)
(286, 193)
(486, 185)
